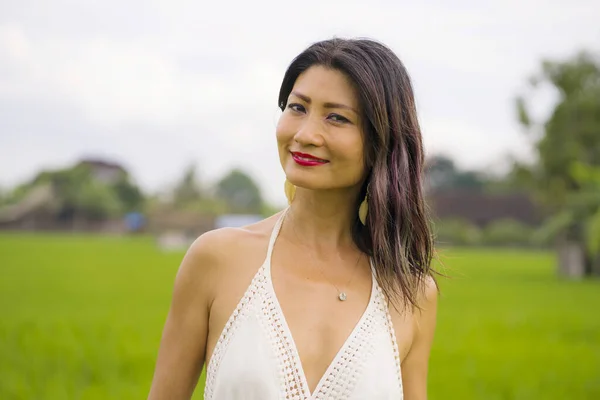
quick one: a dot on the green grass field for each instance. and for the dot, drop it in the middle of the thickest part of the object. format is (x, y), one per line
(81, 318)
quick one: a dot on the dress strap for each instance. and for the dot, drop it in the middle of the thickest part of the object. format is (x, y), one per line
(372, 265)
(274, 235)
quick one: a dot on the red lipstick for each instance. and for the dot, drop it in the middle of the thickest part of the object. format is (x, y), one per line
(307, 160)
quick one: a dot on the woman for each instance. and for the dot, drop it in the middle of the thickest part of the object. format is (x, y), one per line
(333, 297)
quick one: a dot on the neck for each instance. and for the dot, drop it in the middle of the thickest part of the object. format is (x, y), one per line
(322, 220)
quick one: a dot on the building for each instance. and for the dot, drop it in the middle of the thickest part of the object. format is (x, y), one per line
(481, 208)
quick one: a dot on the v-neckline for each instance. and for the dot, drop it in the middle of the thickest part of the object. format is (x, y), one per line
(297, 361)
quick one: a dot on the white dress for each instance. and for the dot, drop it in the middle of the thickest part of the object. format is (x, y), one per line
(256, 358)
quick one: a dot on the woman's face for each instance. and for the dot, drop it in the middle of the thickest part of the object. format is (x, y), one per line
(319, 134)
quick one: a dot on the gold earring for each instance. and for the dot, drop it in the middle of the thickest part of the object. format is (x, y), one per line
(363, 210)
(290, 191)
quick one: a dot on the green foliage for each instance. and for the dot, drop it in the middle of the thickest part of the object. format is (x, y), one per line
(207, 205)
(19, 192)
(570, 134)
(269, 210)
(442, 174)
(96, 200)
(129, 195)
(455, 231)
(587, 202)
(593, 233)
(507, 232)
(79, 193)
(504, 233)
(234, 192)
(566, 174)
(553, 227)
(240, 192)
(188, 191)
(522, 114)
(582, 211)
(82, 318)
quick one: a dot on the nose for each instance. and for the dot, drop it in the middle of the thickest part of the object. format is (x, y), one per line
(309, 133)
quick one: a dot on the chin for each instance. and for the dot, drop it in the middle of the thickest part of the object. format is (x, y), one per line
(301, 181)
(304, 179)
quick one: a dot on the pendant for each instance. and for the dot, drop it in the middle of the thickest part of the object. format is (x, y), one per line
(342, 296)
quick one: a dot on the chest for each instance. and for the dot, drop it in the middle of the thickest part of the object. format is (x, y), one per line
(319, 322)
(261, 352)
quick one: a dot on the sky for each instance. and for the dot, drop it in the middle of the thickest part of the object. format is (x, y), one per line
(159, 85)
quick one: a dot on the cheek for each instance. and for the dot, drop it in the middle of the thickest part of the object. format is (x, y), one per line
(284, 130)
(353, 146)
(352, 150)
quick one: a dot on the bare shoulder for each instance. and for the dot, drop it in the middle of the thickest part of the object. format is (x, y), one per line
(217, 252)
(205, 272)
(426, 301)
(218, 244)
(428, 295)
(424, 315)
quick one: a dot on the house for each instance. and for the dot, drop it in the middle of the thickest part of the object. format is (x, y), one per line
(41, 208)
(35, 211)
(103, 171)
(236, 220)
(175, 230)
(482, 208)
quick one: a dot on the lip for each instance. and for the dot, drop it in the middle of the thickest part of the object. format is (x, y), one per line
(307, 160)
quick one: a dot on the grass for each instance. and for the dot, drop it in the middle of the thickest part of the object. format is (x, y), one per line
(81, 318)
(509, 329)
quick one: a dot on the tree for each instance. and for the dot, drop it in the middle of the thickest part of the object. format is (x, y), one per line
(95, 200)
(565, 173)
(129, 195)
(79, 194)
(187, 190)
(240, 192)
(442, 174)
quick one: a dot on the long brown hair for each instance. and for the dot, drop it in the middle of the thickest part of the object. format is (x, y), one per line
(397, 233)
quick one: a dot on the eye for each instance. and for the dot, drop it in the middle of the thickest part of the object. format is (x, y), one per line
(296, 107)
(338, 118)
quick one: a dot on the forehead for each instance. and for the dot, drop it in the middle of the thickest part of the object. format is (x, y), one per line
(324, 84)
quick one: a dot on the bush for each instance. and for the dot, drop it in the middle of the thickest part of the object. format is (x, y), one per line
(507, 232)
(456, 231)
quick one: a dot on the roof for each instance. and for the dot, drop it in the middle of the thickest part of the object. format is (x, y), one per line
(483, 208)
(38, 197)
(101, 163)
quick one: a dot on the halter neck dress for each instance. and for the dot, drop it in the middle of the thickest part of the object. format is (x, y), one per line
(255, 357)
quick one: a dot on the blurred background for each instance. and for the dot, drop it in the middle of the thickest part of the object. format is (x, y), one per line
(127, 129)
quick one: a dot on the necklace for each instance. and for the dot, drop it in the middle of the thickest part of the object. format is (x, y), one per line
(342, 295)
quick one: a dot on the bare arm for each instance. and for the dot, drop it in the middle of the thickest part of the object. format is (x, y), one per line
(415, 365)
(183, 344)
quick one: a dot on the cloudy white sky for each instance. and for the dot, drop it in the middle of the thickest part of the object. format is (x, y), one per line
(158, 84)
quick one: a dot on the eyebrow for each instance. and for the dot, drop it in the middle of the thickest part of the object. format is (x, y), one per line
(326, 105)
